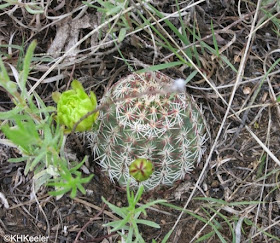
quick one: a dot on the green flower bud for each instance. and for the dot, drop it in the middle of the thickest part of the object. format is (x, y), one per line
(73, 104)
(141, 169)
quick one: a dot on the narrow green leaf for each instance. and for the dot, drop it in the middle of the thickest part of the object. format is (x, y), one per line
(225, 59)
(121, 35)
(166, 237)
(168, 45)
(148, 223)
(203, 44)
(38, 158)
(160, 67)
(191, 76)
(195, 36)
(5, 81)
(17, 160)
(138, 194)
(81, 188)
(5, 5)
(88, 4)
(17, 137)
(214, 40)
(248, 221)
(129, 235)
(149, 204)
(20, 48)
(227, 221)
(10, 114)
(27, 166)
(26, 67)
(78, 166)
(120, 224)
(59, 192)
(119, 211)
(112, 10)
(205, 237)
(73, 192)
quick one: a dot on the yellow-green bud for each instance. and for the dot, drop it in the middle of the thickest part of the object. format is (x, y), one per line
(141, 169)
(73, 104)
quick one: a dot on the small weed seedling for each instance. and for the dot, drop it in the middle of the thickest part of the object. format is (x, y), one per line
(127, 227)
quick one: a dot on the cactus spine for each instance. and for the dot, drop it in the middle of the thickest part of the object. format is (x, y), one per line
(145, 119)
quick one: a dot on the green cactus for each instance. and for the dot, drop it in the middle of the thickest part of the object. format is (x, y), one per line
(146, 118)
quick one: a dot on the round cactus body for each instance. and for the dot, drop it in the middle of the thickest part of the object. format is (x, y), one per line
(146, 118)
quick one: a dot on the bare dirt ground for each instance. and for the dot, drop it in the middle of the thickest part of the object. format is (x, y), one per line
(240, 171)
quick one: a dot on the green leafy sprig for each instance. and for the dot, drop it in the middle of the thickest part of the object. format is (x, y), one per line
(127, 227)
(30, 127)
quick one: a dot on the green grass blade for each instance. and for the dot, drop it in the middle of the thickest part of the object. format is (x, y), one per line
(160, 67)
(214, 40)
(166, 237)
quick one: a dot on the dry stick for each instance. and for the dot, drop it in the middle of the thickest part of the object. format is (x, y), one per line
(17, 205)
(86, 225)
(273, 98)
(99, 239)
(48, 230)
(96, 208)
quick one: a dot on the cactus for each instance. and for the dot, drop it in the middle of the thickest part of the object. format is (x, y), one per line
(145, 118)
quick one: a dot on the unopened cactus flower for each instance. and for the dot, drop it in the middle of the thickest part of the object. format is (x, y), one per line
(149, 116)
(73, 104)
(141, 169)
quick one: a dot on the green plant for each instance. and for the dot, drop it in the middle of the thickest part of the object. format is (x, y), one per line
(40, 141)
(147, 118)
(73, 104)
(127, 227)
